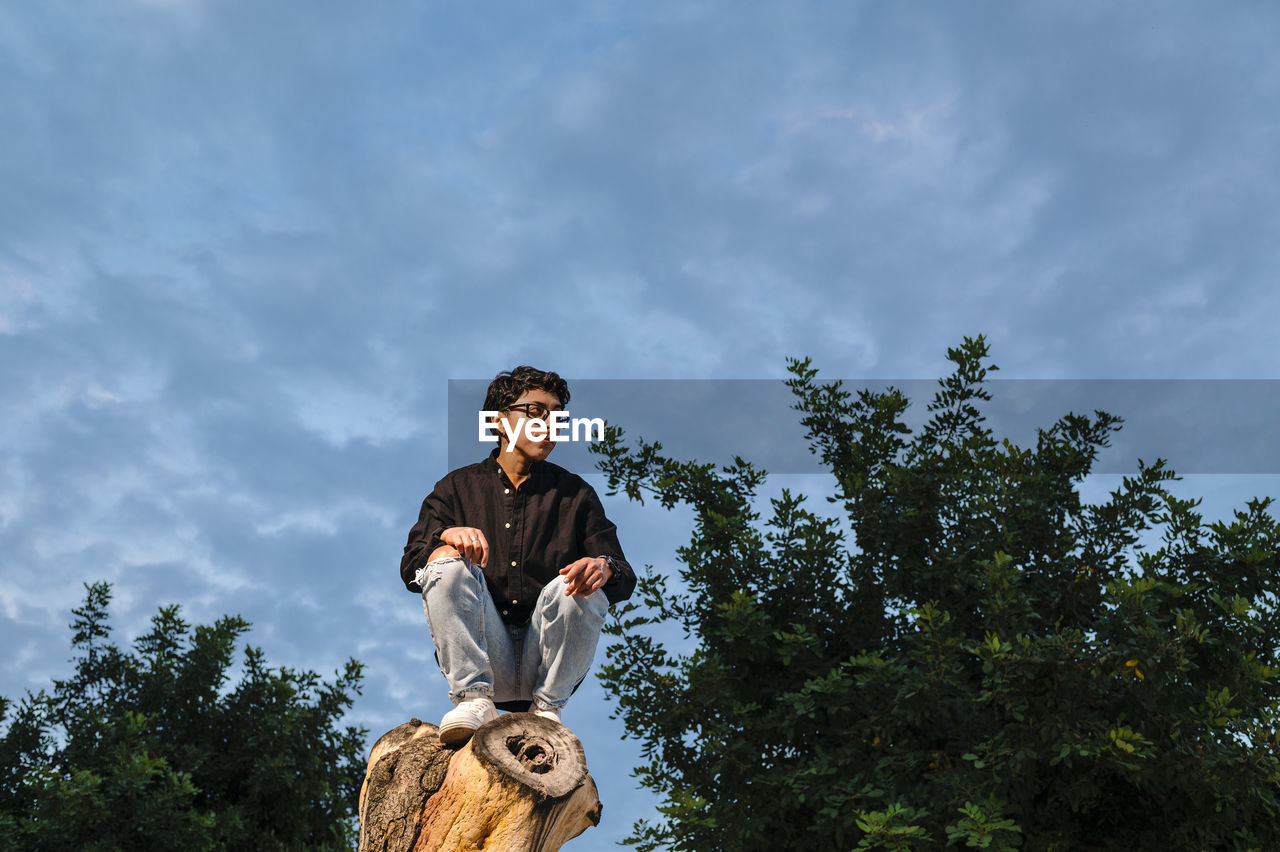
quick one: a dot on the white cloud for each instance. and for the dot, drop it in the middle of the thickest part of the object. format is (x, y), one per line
(18, 298)
(326, 520)
(38, 292)
(339, 413)
(579, 102)
(920, 125)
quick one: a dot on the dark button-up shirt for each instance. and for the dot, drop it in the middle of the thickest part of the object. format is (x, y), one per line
(553, 518)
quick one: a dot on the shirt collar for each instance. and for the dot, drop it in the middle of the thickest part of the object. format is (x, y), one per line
(491, 464)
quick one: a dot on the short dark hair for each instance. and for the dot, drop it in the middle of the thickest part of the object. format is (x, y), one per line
(510, 385)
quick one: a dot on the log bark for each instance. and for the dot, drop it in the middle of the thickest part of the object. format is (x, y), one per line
(520, 784)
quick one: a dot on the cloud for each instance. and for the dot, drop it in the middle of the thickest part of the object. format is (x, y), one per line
(342, 414)
(325, 520)
(914, 125)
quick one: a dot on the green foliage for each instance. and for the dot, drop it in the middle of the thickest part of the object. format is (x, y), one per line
(893, 829)
(983, 660)
(150, 749)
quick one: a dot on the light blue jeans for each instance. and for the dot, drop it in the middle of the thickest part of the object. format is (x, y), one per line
(480, 655)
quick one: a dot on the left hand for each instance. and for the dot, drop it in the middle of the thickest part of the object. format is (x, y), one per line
(586, 575)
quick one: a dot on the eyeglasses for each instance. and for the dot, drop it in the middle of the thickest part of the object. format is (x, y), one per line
(534, 410)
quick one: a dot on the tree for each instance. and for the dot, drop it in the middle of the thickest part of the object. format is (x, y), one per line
(149, 749)
(984, 660)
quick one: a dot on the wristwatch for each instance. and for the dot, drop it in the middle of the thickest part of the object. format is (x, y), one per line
(613, 568)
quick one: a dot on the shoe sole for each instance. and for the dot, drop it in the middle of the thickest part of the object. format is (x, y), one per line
(456, 734)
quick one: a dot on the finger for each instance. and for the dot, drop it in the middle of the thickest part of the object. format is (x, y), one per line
(484, 549)
(587, 582)
(471, 544)
(599, 574)
(591, 577)
(573, 577)
(458, 538)
(455, 537)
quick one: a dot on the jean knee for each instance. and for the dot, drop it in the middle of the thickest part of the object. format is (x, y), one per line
(597, 603)
(555, 603)
(446, 574)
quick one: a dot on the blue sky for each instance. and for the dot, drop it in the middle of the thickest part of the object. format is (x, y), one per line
(244, 246)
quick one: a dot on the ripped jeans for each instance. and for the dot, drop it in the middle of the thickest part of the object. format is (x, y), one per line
(481, 655)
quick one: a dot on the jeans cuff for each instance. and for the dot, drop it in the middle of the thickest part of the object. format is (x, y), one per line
(473, 692)
(542, 705)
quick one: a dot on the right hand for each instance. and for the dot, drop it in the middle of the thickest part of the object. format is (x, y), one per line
(469, 542)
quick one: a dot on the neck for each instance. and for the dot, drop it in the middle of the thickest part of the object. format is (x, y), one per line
(514, 464)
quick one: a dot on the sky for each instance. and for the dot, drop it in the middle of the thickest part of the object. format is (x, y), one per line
(246, 246)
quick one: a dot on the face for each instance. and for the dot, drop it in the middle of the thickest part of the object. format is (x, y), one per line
(532, 449)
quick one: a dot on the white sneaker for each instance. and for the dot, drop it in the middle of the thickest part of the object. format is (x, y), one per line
(551, 713)
(461, 722)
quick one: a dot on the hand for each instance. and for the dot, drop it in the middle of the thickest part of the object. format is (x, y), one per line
(469, 542)
(586, 575)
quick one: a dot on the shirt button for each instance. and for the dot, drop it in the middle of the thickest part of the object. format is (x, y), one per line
(504, 612)
(513, 564)
(515, 603)
(506, 491)
(508, 526)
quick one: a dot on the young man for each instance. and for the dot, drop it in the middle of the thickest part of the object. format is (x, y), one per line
(517, 565)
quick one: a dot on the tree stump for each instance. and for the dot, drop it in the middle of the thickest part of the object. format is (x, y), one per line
(520, 784)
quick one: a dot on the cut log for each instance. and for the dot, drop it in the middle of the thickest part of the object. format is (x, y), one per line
(519, 785)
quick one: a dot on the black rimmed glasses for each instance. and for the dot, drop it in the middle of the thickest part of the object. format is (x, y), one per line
(532, 410)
